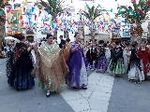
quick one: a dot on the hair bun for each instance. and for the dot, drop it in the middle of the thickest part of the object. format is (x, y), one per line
(19, 36)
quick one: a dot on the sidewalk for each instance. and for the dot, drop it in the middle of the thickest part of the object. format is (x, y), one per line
(95, 98)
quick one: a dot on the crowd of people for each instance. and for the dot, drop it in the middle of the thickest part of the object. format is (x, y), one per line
(55, 64)
(119, 58)
(52, 63)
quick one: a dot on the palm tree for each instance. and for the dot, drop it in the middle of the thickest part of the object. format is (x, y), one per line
(54, 8)
(91, 14)
(135, 15)
(3, 3)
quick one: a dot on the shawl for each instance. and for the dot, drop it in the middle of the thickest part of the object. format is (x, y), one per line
(51, 67)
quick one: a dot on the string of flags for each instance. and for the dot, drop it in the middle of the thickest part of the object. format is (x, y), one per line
(34, 18)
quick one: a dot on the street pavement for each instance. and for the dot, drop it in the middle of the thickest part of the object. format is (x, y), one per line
(33, 100)
(104, 94)
(129, 97)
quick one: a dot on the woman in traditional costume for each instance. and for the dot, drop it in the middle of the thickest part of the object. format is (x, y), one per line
(126, 55)
(77, 77)
(135, 71)
(116, 65)
(107, 53)
(66, 49)
(101, 58)
(51, 66)
(143, 54)
(19, 66)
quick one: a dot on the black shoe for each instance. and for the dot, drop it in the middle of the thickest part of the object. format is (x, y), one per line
(74, 87)
(48, 94)
(84, 87)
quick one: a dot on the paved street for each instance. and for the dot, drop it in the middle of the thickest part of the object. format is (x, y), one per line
(104, 94)
(28, 101)
(129, 97)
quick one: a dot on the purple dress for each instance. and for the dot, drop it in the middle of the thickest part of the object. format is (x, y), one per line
(77, 76)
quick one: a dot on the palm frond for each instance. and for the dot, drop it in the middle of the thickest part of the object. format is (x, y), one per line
(53, 7)
(2, 4)
(93, 12)
(137, 13)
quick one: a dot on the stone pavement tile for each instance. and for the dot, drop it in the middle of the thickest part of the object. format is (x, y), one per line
(11, 107)
(100, 96)
(1, 74)
(85, 93)
(92, 81)
(99, 104)
(92, 87)
(8, 101)
(70, 94)
(103, 90)
(80, 105)
(95, 98)
(94, 110)
(33, 100)
(92, 77)
(106, 82)
(32, 109)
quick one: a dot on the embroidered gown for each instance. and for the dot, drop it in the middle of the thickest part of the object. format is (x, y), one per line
(77, 76)
(116, 65)
(144, 56)
(135, 67)
(101, 59)
(51, 67)
(18, 68)
(126, 56)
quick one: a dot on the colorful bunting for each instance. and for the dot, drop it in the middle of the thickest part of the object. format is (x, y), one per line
(148, 3)
(1, 12)
(61, 22)
(133, 1)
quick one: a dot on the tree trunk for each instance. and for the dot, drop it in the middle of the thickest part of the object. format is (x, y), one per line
(92, 34)
(55, 34)
(66, 34)
(148, 29)
(81, 31)
(2, 28)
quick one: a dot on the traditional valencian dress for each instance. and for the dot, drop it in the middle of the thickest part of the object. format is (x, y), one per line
(101, 60)
(126, 56)
(135, 67)
(66, 50)
(51, 67)
(143, 54)
(116, 64)
(19, 67)
(77, 77)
